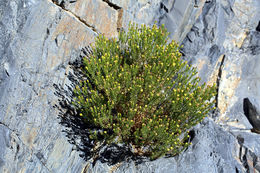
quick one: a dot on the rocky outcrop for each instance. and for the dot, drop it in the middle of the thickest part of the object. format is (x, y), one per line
(40, 39)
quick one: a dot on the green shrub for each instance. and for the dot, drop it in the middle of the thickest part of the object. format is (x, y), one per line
(140, 92)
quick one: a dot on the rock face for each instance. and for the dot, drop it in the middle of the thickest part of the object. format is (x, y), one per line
(39, 39)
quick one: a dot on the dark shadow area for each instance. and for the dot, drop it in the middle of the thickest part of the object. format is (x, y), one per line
(163, 7)
(258, 27)
(115, 154)
(252, 115)
(246, 156)
(252, 42)
(78, 131)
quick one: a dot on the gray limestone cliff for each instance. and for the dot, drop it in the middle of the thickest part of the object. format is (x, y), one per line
(40, 38)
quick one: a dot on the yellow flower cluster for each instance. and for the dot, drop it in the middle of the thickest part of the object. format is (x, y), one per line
(139, 91)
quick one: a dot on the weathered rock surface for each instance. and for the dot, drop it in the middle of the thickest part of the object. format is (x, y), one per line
(179, 16)
(33, 58)
(40, 38)
(96, 14)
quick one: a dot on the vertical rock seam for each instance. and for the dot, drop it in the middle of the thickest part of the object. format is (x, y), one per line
(219, 78)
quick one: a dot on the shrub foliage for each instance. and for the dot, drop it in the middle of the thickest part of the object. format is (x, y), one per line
(141, 93)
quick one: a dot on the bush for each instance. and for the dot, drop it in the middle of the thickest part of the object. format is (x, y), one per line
(141, 93)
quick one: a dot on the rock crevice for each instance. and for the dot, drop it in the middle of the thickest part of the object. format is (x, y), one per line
(74, 15)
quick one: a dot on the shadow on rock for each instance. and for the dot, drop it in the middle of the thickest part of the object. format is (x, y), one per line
(78, 131)
(252, 115)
